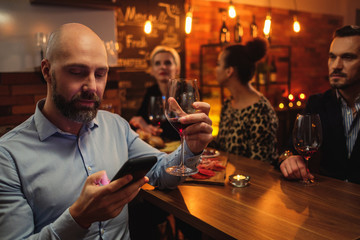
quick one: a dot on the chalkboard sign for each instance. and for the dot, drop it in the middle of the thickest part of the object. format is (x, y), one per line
(130, 75)
(135, 46)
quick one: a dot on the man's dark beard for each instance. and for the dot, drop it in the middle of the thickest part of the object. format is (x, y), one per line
(71, 110)
(341, 74)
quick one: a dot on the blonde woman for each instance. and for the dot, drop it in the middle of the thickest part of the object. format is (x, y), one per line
(165, 64)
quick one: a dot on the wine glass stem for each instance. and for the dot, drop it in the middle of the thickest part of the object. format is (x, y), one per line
(307, 164)
(182, 151)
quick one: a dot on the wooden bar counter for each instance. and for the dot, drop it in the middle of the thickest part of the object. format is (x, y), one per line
(270, 207)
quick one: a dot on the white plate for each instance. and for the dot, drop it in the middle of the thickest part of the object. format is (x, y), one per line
(209, 153)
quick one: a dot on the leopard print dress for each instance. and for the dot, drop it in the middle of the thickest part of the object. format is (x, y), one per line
(250, 132)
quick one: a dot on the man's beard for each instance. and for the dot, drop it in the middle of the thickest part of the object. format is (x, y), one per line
(339, 85)
(70, 109)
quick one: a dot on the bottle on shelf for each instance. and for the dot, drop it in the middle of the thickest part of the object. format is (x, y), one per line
(262, 69)
(253, 28)
(224, 31)
(239, 31)
(273, 70)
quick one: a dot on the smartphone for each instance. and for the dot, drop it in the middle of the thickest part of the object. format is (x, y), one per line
(137, 167)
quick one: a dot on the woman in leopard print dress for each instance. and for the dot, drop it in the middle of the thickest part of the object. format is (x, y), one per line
(248, 122)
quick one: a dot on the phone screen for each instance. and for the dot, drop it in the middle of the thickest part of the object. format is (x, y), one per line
(137, 167)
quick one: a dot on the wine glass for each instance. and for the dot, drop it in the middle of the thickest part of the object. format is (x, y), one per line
(156, 110)
(181, 95)
(307, 137)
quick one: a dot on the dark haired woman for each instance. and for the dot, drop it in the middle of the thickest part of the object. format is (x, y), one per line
(248, 122)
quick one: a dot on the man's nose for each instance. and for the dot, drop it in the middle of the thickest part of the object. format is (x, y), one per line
(338, 63)
(90, 83)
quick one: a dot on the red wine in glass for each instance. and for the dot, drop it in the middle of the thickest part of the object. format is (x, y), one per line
(307, 151)
(157, 120)
(156, 110)
(307, 137)
(178, 125)
(181, 95)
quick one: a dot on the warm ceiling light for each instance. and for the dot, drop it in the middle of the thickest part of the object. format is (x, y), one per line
(267, 25)
(302, 96)
(296, 25)
(232, 11)
(188, 21)
(147, 27)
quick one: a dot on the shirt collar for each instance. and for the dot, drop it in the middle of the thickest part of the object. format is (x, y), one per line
(357, 100)
(344, 103)
(46, 129)
(338, 95)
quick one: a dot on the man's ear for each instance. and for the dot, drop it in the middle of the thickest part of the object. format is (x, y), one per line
(45, 69)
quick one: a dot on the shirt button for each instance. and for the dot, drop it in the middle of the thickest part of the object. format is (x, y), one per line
(102, 231)
(89, 168)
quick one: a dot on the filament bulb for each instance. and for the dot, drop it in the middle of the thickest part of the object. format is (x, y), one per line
(232, 11)
(296, 25)
(267, 25)
(148, 27)
(188, 22)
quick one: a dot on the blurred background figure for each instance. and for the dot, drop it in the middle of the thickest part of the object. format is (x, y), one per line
(248, 122)
(146, 220)
(165, 64)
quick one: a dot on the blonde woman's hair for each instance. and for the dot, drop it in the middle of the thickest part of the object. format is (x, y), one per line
(172, 51)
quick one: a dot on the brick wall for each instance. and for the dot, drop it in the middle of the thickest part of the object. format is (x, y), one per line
(19, 93)
(309, 52)
(309, 47)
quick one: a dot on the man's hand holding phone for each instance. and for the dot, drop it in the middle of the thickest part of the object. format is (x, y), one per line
(137, 167)
(101, 199)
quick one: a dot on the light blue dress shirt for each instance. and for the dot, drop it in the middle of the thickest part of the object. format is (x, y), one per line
(43, 169)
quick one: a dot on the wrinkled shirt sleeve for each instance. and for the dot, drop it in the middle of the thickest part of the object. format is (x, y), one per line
(16, 211)
(157, 175)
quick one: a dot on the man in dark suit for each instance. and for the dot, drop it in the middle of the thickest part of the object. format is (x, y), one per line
(339, 110)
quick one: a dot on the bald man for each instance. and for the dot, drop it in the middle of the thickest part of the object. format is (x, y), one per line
(55, 167)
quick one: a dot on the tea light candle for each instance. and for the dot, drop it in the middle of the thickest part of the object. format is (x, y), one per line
(239, 180)
(239, 177)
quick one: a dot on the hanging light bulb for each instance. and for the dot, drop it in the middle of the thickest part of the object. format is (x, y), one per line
(148, 27)
(267, 25)
(232, 11)
(296, 25)
(188, 21)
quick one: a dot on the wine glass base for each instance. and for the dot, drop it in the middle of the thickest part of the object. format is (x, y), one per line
(181, 171)
(309, 182)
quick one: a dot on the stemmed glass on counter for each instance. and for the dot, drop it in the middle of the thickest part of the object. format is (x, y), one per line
(307, 137)
(156, 110)
(181, 95)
